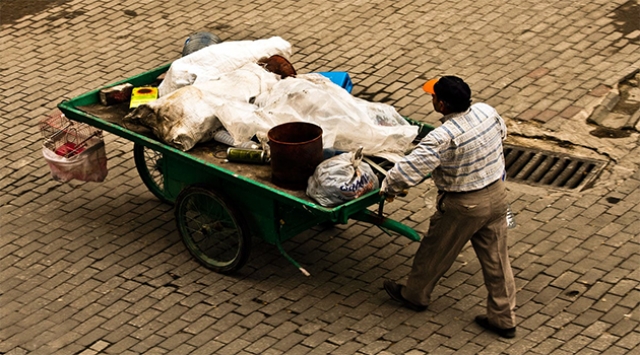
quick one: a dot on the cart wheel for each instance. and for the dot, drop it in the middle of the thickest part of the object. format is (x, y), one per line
(149, 164)
(212, 230)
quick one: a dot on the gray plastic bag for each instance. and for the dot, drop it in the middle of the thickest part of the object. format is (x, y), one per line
(341, 178)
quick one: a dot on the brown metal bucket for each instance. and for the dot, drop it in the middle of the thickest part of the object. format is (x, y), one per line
(296, 151)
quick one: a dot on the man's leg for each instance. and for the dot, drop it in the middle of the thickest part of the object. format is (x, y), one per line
(448, 232)
(490, 245)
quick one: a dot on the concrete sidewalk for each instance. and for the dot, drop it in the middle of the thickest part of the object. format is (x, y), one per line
(99, 268)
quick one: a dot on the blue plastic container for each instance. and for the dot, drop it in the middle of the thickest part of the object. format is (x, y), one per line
(339, 78)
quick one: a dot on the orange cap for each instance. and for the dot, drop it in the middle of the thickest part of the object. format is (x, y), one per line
(428, 86)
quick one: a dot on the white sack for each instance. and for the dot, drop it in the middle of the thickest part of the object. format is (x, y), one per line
(347, 122)
(210, 62)
(191, 114)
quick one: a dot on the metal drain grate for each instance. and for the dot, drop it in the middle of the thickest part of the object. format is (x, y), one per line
(544, 168)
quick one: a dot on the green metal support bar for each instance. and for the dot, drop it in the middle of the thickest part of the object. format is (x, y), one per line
(386, 223)
(284, 253)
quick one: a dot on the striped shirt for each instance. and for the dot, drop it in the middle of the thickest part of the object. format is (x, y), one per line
(463, 154)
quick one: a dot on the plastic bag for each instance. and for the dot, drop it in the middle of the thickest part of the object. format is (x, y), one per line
(88, 165)
(340, 179)
(73, 150)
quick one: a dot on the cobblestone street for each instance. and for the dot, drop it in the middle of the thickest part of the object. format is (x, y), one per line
(100, 268)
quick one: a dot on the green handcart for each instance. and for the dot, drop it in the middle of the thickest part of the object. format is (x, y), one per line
(220, 205)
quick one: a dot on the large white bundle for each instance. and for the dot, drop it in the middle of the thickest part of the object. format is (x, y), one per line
(210, 62)
(347, 122)
(193, 113)
(221, 85)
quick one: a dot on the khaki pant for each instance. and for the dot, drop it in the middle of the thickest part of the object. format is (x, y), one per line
(479, 216)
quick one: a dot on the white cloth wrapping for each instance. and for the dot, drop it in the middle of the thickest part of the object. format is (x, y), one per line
(194, 113)
(210, 62)
(222, 86)
(347, 122)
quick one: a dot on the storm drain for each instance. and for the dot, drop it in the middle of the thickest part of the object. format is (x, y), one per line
(544, 168)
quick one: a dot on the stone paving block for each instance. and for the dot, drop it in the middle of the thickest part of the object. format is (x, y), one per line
(633, 228)
(623, 328)
(547, 295)
(615, 275)
(541, 335)
(576, 344)
(603, 342)
(603, 220)
(144, 317)
(623, 287)
(261, 345)
(375, 347)
(403, 346)
(431, 343)
(547, 214)
(460, 340)
(629, 341)
(616, 314)
(630, 300)
(339, 325)
(588, 317)
(289, 343)
(121, 346)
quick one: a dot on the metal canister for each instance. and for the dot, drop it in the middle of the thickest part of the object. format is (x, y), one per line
(244, 155)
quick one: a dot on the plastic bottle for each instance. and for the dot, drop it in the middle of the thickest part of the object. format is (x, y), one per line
(511, 219)
(223, 137)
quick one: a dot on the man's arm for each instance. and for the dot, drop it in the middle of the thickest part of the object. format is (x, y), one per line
(411, 170)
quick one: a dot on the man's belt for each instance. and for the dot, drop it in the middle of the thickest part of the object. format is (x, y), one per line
(470, 191)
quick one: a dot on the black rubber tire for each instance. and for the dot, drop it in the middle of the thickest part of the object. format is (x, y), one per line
(149, 164)
(212, 229)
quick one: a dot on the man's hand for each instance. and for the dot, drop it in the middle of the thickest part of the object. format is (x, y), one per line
(390, 197)
(387, 197)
